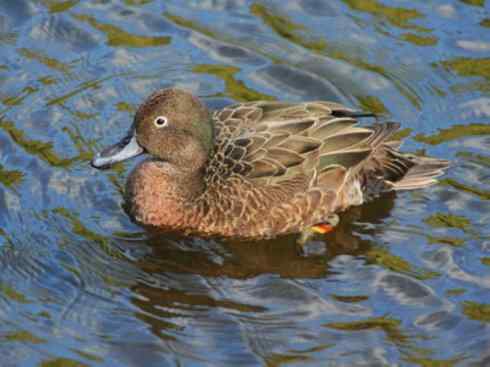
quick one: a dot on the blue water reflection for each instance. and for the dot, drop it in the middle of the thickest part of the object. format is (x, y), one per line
(404, 281)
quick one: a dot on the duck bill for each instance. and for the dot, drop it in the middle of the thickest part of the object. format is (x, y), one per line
(125, 149)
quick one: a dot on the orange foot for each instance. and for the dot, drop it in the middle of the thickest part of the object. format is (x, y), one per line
(322, 228)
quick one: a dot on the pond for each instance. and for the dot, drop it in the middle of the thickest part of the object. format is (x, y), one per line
(404, 280)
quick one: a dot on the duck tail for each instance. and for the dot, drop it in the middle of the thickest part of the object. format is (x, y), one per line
(387, 169)
(420, 171)
(391, 169)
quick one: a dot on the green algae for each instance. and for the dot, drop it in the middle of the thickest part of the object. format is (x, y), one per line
(441, 220)
(474, 2)
(470, 67)
(43, 150)
(446, 240)
(485, 260)
(47, 80)
(322, 49)
(234, 88)
(349, 299)
(186, 23)
(79, 229)
(476, 158)
(477, 311)
(286, 28)
(401, 134)
(276, 359)
(8, 38)
(56, 6)
(125, 107)
(429, 362)
(83, 146)
(40, 57)
(117, 37)
(117, 181)
(482, 194)
(390, 327)
(316, 348)
(87, 355)
(398, 17)
(62, 362)
(478, 86)
(438, 91)
(17, 100)
(466, 66)
(77, 226)
(80, 115)
(137, 2)
(8, 241)
(90, 84)
(44, 314)
(12, 294)
(23, 336)
(198, 28)
(385, 259)
(485, 23)
(454, 292)
(420, 40)
(372, 104)
(10, 178)
(411, 96)
(453, 133)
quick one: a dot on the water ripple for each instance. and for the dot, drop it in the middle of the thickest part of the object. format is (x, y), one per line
(402, 281)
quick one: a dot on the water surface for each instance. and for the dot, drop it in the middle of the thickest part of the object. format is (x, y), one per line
(404, 281)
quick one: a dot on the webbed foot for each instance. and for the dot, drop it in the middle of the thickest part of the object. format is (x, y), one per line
(317, 230)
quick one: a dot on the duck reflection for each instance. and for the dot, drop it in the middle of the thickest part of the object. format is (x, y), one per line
(186, 279)
(243, 260)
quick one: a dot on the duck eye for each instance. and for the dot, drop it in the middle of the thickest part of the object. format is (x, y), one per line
(161, 121)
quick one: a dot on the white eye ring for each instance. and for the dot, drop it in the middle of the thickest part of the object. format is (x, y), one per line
(160, 121)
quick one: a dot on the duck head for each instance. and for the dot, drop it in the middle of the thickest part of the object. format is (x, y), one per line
(171, 126)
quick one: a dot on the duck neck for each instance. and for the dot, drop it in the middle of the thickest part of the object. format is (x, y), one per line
(180, 182)
(162, 195)
(191, 183)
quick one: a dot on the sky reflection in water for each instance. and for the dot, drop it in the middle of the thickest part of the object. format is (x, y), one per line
(403, 281)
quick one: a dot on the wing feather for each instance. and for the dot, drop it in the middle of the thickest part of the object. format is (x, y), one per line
(273, 141)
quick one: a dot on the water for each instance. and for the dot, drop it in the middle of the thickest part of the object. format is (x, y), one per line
(403, 281)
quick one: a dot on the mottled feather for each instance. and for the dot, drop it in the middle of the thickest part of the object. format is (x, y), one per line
(261, 169)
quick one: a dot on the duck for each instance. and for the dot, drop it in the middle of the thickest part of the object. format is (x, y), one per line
(258, 170)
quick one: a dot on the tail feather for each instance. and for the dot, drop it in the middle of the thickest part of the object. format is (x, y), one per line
(387, 169)
(423, 172)
(382, 132)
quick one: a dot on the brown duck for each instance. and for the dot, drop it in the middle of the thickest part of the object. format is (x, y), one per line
(259, 169)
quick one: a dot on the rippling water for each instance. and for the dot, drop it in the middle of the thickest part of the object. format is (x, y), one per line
(404, 281)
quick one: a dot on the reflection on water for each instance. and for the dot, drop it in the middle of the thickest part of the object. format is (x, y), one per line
(403, 281)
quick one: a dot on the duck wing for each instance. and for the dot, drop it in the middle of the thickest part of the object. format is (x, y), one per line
(268, 142)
